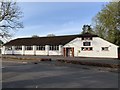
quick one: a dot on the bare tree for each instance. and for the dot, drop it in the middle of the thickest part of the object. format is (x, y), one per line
(10, 15)
(50, 35)
(35, 36)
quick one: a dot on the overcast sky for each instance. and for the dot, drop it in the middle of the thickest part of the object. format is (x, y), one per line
(58, 18)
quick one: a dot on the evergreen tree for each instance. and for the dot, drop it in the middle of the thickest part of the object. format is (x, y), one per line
(87, 29)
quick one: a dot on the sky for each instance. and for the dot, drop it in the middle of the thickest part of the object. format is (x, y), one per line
(59, 18)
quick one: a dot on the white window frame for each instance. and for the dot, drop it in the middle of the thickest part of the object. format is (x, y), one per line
(8, 48)
(104, 49)
(26, 48)
(85, 44)
(84, 49)
(18, 47)
(54, 48)
(40, 48)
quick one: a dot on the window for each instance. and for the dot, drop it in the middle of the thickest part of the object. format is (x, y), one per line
(91, 48)
(8, 48)
(54, 47)
(40, 48)
(86, 43)
(86, 48)
(82, 48)
(18, 47)
(28, 47)
(104, 48)
(86, 38)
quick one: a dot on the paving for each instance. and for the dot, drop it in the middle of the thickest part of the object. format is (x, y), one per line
(52, 74)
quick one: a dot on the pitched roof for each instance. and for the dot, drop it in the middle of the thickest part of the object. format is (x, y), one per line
(55, 40)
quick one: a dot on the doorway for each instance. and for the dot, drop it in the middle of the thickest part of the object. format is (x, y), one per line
(68, 51)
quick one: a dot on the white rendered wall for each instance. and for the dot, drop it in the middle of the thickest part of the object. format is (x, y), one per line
(18, 52)
(23, 50)
(8, 51)
(34, 50)
(53, 52)
(47, 47)
(38, 52)
(60, 50)
(29, 52)
(3, 50)
(13, 49)
(96, 43)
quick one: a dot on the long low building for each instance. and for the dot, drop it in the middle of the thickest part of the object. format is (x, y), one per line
(80, 45)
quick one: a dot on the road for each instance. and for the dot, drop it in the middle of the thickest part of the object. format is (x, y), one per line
(51, 74)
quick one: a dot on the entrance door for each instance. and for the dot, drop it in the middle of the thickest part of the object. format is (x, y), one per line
(68, 52)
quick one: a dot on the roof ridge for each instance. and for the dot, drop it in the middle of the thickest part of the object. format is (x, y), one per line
(49, 36)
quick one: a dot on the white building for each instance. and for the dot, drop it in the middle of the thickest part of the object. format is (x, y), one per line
(81, 45)
(1, 43)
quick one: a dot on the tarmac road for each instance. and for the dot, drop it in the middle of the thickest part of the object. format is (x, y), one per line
(47, 74)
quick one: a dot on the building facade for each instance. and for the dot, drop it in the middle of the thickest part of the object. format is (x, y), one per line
(1, 43)
(81, 45)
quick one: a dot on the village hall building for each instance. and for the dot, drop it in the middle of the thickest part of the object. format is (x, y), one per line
(80, 45)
